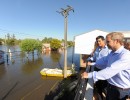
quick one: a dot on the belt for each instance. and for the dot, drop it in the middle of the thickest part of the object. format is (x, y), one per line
(113, 86)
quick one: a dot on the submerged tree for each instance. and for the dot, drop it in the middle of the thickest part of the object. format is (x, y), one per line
(55, 44)
(29, 45)
(1, 40)
(10, 40)
(46, 40)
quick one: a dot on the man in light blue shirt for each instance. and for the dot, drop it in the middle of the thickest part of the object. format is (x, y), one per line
(115, 68)
(101, 51)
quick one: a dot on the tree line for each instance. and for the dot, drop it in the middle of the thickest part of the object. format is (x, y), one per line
(30, 45)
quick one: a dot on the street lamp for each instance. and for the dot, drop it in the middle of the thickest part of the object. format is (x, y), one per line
(65, 13)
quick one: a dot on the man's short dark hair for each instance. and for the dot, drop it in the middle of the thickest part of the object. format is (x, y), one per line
(100, 37)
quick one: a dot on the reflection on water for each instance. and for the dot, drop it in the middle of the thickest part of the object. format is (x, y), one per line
(51, 78)
(26, 71)
(55, 56)
(30, 66)
(2, 71)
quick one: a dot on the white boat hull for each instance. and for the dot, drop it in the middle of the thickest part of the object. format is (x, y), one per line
(56, 72)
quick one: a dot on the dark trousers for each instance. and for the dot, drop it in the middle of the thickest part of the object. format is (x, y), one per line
(101, 85)
(114, 93)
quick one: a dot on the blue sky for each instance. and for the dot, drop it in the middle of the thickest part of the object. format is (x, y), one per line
(39, 19)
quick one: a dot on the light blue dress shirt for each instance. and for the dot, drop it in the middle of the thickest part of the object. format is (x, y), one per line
(117, 70)
(99, 53)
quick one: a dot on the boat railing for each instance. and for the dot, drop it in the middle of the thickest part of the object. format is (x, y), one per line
(84, 89)
(89, 87)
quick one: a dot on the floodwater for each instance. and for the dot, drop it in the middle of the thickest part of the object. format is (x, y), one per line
(20, 78)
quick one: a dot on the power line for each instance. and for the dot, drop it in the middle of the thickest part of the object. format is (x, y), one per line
(21, 33)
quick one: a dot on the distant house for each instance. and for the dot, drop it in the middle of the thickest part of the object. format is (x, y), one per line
(46, 47)
(1, 56)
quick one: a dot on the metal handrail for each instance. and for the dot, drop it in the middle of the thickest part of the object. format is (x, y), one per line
(81, 86)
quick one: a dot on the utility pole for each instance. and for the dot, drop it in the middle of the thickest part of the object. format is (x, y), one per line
(65, 13)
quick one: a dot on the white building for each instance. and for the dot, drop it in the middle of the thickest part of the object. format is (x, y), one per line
(84, 43)
(46, 47)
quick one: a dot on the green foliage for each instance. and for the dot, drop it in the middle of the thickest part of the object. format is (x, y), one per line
(29, 45)
(46, 40)
(38, 45)
(70, 43)
(1, 40)
(55, 44)
(11, 41)
(17, 42)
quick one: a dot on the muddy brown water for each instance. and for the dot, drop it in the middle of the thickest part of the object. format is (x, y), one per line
(20, 78)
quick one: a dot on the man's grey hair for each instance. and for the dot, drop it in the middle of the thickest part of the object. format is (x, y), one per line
(116, 36)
